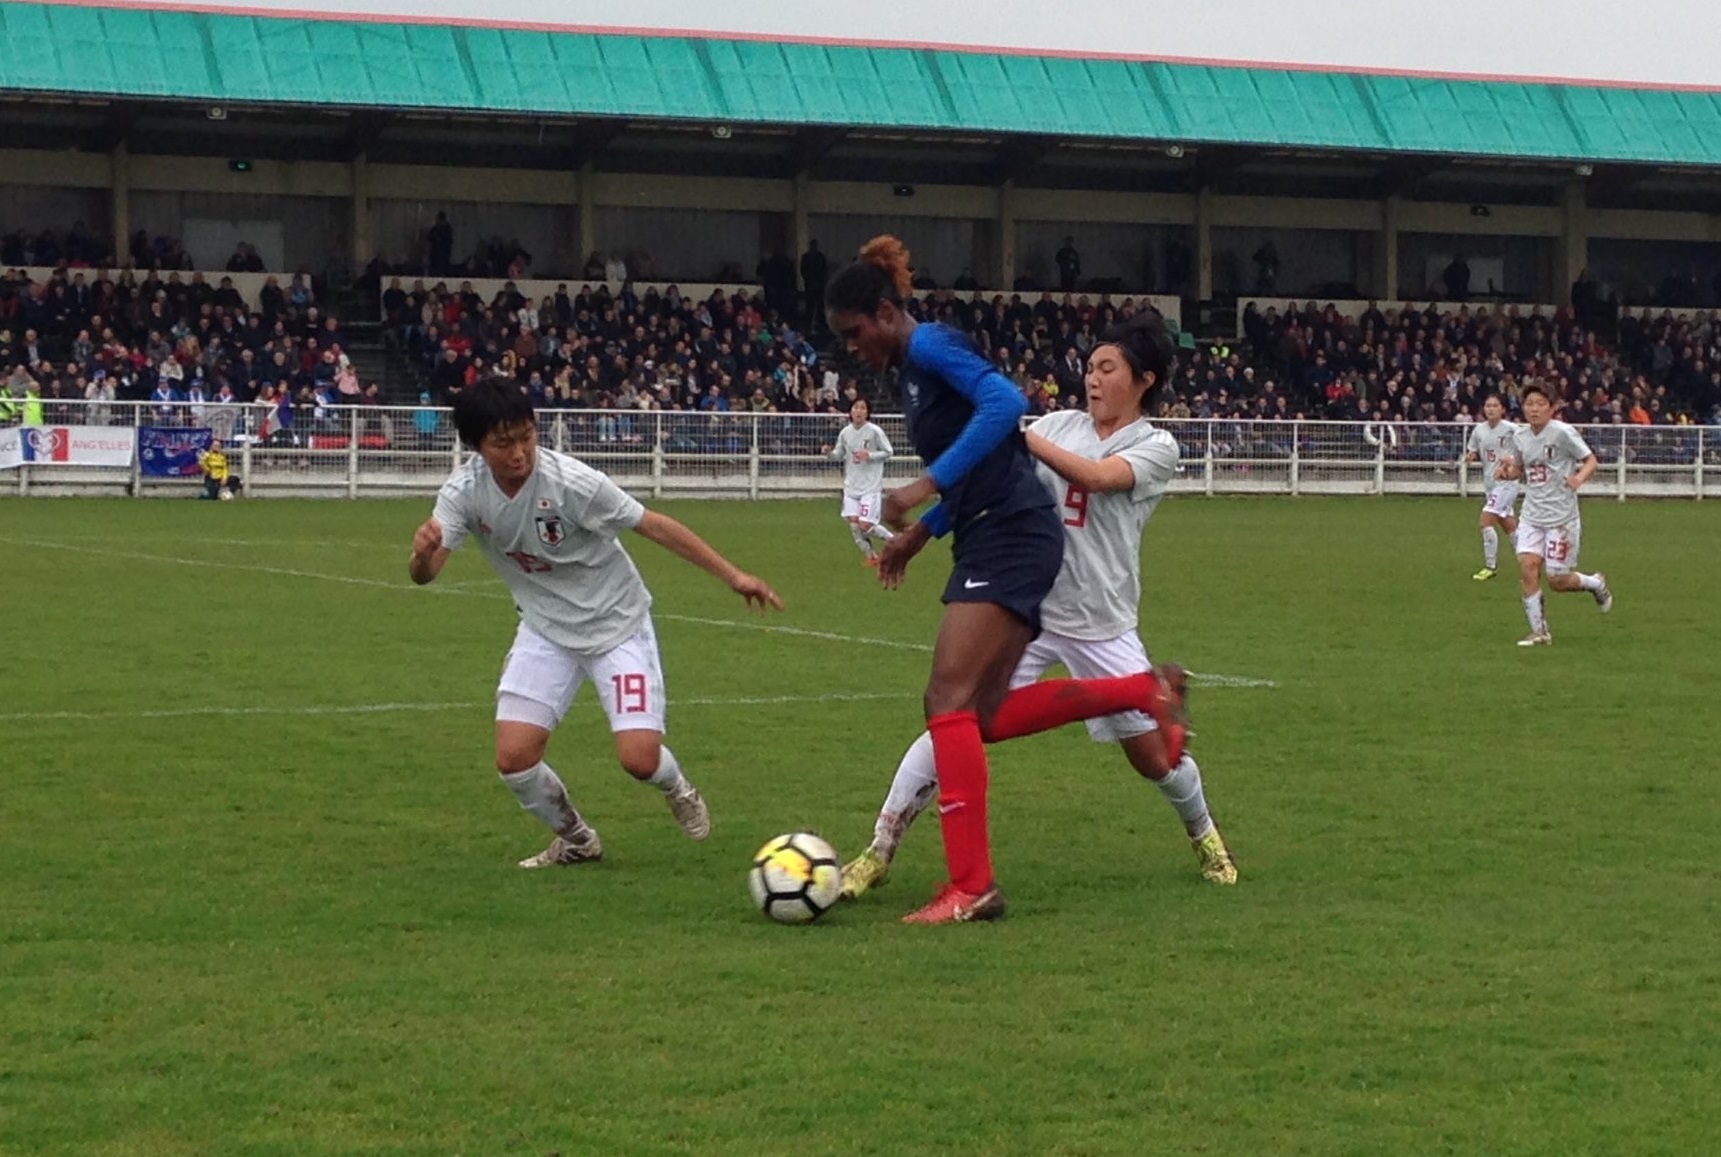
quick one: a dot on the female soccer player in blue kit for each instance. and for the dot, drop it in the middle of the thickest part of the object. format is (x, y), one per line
(1007, 548)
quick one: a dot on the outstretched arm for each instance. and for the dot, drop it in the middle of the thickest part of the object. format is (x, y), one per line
(676, 538)
(1108, 474)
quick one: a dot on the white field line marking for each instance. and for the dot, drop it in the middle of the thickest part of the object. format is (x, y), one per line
(387, 708)
(1200, 678)
(199, 540)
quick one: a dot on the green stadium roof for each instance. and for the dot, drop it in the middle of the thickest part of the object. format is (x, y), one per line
(218, 58)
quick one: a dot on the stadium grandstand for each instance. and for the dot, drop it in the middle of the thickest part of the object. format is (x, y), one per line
(344, 205)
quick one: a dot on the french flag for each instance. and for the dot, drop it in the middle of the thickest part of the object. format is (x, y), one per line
(47, 444)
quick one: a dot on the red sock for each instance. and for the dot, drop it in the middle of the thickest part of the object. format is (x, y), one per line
(1055, 702)
(1175, 735)
(960, 757)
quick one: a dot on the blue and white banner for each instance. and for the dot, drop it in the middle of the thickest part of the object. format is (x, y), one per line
(171, 452)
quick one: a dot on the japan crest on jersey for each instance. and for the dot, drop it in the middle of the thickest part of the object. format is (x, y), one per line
(550, 531)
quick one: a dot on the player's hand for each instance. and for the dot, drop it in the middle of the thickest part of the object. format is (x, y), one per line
(428, 539)
(893, 559)
(900, 502)
(1574, 483)
(862, 455)
(756, 591)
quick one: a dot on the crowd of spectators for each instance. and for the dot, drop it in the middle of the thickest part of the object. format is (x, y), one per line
(1438, 363)
(585, 348)
(172, 339)
(163, 336)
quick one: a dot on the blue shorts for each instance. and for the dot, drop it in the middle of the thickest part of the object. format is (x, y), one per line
(1011, 563)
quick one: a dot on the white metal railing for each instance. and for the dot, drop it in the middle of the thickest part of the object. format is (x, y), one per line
(374, 450)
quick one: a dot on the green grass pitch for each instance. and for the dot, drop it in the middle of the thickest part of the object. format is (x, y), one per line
(1478, 910)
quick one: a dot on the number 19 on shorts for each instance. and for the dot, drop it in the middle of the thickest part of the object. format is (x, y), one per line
(630, 694)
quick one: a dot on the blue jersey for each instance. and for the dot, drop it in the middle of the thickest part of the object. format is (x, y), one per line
(964, 418)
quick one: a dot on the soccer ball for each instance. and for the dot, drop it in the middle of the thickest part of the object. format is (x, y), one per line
(226, 495)
(795, 878)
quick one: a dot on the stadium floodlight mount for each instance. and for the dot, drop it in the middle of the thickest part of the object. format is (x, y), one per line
(722, 132)
(216, 112)
(1174, 151)
(1584, 170)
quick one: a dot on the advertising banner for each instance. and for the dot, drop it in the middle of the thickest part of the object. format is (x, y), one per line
(67, 446)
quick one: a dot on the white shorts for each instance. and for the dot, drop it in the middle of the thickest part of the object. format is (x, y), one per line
(628, 678)
(1557, 545)
(1091, 659)
(866, 507)
(1501, 496)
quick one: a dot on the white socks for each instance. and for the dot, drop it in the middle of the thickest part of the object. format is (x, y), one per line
(1589, 582)
(541, 792)
(860, 538)
(915, 786)
(881, 532)
(667, 777)
(1490, 547)
(1533, 612)
(1182, 790)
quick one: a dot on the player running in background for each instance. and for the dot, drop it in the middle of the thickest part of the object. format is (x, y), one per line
(1554, 462)
(548, 525)
(863, 450)
(1110, 468)
(1008, 545)
(1490, 442)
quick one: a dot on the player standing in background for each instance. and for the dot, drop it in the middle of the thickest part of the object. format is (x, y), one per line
(547, 524)
(1008, 545)
(1110, 467)
(863, 449)
(1554, 462)
(1491, 441)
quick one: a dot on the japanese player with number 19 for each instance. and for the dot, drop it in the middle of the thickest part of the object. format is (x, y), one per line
(549, 526)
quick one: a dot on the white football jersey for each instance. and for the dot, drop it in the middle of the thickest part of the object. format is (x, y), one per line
(862, 477)
(1548, 459)
(1490, 444)
(554, 544)
(1098, 592)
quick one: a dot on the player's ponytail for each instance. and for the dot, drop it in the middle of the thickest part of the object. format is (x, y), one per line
(880, 274)
(1145, 345)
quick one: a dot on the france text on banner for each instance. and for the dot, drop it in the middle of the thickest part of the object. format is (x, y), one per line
(70, 446)
(171, 452)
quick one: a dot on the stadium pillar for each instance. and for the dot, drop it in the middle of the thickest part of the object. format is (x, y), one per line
(1007, 235)
(803, 218)
(119, 202)
(588, 212)
(361, 239)
(1572, 252)
(1203, 244)
(1386, 250)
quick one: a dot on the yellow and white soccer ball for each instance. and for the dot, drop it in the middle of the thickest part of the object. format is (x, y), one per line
(795, 878)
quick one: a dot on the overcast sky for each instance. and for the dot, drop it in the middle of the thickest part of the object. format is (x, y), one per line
(1647, 42)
